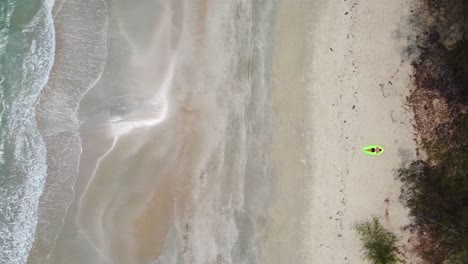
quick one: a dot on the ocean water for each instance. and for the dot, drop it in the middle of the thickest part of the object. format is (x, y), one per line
(149, 138)
(26, 52)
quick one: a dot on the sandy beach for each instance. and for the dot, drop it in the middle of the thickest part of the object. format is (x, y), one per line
(341, 63)
(222, 131)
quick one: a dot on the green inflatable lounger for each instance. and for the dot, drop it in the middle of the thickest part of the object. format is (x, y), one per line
(373, 150)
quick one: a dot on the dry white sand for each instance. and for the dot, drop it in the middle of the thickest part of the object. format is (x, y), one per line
(340, 62)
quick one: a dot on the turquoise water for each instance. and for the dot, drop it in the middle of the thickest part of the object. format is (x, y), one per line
(26, 56)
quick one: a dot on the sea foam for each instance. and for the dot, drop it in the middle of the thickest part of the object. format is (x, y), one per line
(26, 64)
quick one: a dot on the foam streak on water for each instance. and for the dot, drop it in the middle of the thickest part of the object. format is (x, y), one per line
(27, 44)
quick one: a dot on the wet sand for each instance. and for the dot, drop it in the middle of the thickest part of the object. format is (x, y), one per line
(171, 153)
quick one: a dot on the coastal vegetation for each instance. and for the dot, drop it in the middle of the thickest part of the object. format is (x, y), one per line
(436, 192)
(435, 188)
(379, 244)
(442, 64)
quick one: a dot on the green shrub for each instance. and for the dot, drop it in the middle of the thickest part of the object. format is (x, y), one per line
(379, 244)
